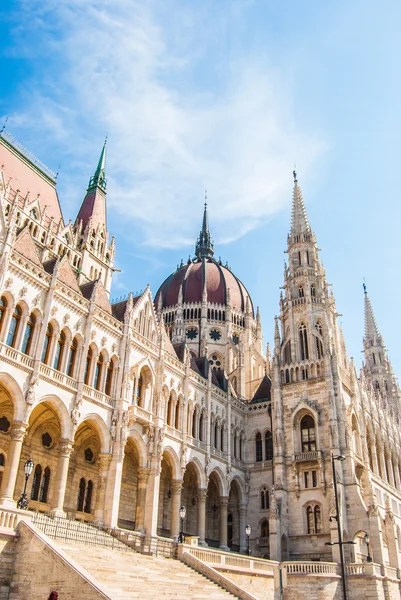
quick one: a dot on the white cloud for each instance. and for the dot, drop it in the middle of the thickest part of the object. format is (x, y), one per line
(133, 70)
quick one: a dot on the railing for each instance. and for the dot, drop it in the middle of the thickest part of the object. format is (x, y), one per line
(307, 456)
(9, 517)
(84, 533)
(140, 414)
(98, 396)
(309, 568)
(171, 431)
(12, 355)
(61, 378)
(230, 560)
(199, 444)
(366, 569)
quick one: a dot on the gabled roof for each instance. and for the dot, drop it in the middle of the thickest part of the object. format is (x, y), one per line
(66, 275)
(118, 309)
(263, 393)
(26, 246)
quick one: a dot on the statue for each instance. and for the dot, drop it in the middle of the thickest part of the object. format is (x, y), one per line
(113, 426)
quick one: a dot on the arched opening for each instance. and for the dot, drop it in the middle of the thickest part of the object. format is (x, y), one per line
(47, 344)
(258, 447)
(213, 511)
(264, 540)
(165, 497)
(58, 356)
(190, 499)
(269, 445)
(28, 334)
(233, 520)
(14, 327)
(72, 355)
(308, 434)
(129, 487)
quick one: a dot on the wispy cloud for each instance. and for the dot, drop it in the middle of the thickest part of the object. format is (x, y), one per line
(182, 112)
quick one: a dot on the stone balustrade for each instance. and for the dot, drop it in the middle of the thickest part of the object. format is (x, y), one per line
(311, 568)
(10, 517)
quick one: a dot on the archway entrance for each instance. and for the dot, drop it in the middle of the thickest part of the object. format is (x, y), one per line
(233, 518)
(129, 487)
(190, 500)
(165, 497)
(213, 512)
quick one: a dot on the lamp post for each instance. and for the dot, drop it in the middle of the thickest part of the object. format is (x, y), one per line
(23, 500)
(367, 540)
(248, 533)
(183, 512)
(340, 542)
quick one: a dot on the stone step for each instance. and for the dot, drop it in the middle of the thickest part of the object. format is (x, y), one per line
(129, 575)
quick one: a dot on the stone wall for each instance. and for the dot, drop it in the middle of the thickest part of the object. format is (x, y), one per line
(40, 567)
(7, 553)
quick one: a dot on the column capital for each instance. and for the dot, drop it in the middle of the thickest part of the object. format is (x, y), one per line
(143, 474)
(104, 461)
(176, 486)
(65, 447)
(18, 430)
(223, 500)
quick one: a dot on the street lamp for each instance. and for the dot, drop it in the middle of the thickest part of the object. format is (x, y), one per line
(340, 542)
(367, 540)
(183, 512)
(23, 500)
(248, 533)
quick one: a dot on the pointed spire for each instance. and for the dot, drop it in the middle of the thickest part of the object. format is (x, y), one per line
(93, 207)
(371, 329)
(204, 246)
(299, 219)
(99, 178)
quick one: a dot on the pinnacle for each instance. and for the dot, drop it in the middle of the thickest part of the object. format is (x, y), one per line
(371, 329)
(204, 245)
(299, 219)
(99, 178)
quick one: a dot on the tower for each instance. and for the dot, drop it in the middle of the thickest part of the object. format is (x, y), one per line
(91, 225)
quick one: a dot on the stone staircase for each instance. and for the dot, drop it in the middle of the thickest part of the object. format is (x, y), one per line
(129, 575)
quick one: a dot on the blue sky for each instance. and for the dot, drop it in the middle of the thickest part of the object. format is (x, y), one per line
(223, 95)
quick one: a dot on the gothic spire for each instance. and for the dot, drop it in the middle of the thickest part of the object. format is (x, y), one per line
(372, 332)
(204, 245)
(99, 178)
(93, 207)
(299, 220)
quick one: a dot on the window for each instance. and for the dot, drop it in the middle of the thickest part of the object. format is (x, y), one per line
(44, 486)
(169, 410)
(28, 334)
(222, 438)
(71, 357)
(88, 497)
(139, 387)
(3, 308)
(264, 499)
(177, 416)
(310, 477)
(109, 378)
(312, 291)
(36, 482)
(308, 434)
(303, 342)
(88, 366)
(4, 424)
(314, 520)
(201, 418)
(46, 344)
(301, 292)
(264, 529)
(258, 447)
(14, 326)
(98, 372)
(306, 479)
(314, 479)
(194, 424)
(47, 440)
(269, 445)
(287, 353)
(58, 357)
(81, 495)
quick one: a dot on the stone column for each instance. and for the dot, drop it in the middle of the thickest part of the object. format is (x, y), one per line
(242, 524)
(202, 494)
(390, 471)
(18, 432)
(383, 465)
(373, 452)
(176, 487)
(397, 478)
(104, 461)
(152, 499)
(143, 476)
(223, 522)
(65, 449)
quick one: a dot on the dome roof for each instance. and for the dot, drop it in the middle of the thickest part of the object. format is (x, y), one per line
(192, 277)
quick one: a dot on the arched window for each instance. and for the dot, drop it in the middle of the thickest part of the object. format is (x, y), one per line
(287, 353)
(58, 357)
(314, 520)
(301, 292)
(169, 410)
(44, 486)
(88, 366)
(177, 415)
(109, 378)
(36, 482)
(308, 434)
(71, 357)
(14, 327)
(269, 445)
(81, 495)
(194, 424)
(216, 434)
(222, 438)
(139, 390)
(264, 529)
(28, 334)
(98, 372)
(303, 342)
(46, 344)
(258, 447)
(3, 308)
(264, 499)
(88, 497)
(201, 419)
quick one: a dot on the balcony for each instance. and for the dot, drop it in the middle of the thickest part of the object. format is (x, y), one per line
(93, 394)
(139, 414)
(313, 455)
(15, 357)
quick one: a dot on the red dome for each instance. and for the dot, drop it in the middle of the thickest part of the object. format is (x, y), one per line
(192, 276)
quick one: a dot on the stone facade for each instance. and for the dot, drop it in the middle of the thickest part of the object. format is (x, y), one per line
(131, 409)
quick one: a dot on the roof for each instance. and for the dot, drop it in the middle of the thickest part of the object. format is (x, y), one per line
(192, 277)
(263, 393)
